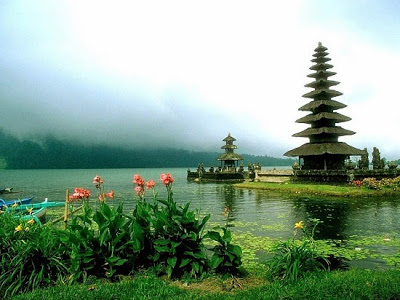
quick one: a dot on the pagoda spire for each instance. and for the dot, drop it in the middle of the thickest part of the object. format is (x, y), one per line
(229, 158)
(324, 151)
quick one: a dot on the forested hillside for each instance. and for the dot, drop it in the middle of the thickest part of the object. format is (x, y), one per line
(52, 153)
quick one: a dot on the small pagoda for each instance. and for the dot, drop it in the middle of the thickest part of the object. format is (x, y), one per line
(324, 151)
(229, 160)
(228, 169)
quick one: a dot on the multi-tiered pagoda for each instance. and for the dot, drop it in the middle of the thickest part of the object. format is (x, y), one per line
(229, 159)
(229, 168)
(324, 151)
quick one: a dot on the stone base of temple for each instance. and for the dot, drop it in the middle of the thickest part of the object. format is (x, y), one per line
(217, 176)
(342, 175)
(273, 175)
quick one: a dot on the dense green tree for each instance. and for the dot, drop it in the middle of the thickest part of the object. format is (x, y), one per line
(52, 153)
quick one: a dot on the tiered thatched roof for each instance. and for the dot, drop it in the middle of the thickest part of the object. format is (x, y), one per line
(323, 133)
(229, 147)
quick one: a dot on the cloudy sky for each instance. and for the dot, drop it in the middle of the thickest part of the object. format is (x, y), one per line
(183, 74)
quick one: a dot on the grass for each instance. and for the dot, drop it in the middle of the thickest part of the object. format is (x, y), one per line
(353, 284)
(341, 190)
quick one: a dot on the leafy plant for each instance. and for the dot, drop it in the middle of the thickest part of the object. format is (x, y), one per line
(295, 258)
(103, 243)
(178, 237)
(31, 256)
(227, 257)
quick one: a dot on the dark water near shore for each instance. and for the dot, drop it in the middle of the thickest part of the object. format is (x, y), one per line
(260, 212)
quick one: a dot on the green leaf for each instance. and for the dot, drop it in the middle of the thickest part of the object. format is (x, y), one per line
(104, 236)
(227, 236)
(175, 244)
(137, 230)
(214, 235)
(204, 221)
(137, 246)
(87, 260)
(120, 262)
(195, 266)
(164, 202)
(161, 248)
(216, 260)
(106, 211)
(169, 272)
(172, 261)
(184, 262)
(162, 242)
(200, 255)
(235, 249)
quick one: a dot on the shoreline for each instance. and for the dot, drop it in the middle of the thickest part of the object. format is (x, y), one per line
(312, 189)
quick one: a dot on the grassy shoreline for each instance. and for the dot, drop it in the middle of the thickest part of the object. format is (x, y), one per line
(352, 284)
(320, 189)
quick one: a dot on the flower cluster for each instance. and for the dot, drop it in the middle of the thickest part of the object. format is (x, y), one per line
(358, 183)
(140, 184)
(372, 183)
(375, 184)
(166, 179)
(109, 195)
(98, 183)
(20, 228)
(79, 193)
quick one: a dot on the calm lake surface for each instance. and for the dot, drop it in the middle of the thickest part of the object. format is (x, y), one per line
(254, 212)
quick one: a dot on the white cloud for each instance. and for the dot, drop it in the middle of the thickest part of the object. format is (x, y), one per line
(203, 68)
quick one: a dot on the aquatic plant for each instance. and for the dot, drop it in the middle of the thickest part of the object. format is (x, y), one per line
(293, 258)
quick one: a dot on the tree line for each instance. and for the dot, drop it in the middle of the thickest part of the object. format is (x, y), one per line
(52, 153)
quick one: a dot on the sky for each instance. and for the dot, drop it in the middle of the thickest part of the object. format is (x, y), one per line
(184, 74)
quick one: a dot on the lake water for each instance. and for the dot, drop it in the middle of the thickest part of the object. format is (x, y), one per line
(367, 227)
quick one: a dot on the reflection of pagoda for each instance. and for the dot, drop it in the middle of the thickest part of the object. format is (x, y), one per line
(324, 151)
(229, 159)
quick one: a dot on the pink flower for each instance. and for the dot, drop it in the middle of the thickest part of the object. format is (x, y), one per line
(150, 184)
(166, 178)
(139, 190)
(110, 194)
(138, 179)
(97, 181)
(101, 197)
(79, 193)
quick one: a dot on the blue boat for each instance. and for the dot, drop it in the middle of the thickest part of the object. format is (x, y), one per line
(37, 214)
(36, 211)
(12, 202)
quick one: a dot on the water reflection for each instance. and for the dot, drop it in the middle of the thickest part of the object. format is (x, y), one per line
(332, 214)
(229, 198)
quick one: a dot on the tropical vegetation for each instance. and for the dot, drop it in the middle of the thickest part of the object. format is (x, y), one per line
(162, 249)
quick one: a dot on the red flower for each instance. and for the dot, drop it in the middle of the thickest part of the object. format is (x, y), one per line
(150, 184)
(79, 193)
(138, 179)
(166, 178)
(139, 190)
(110, 194)
(97, 181)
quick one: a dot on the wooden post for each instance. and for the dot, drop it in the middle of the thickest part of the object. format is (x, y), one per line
(66, 209)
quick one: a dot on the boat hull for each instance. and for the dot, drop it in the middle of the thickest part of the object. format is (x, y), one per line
(17, 201)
